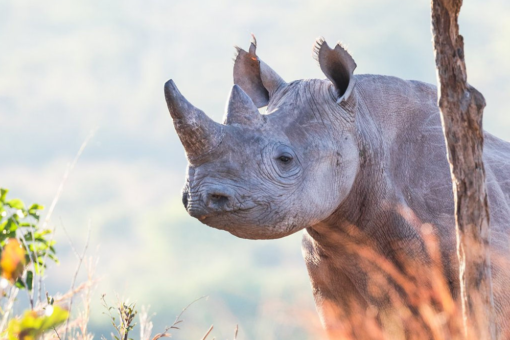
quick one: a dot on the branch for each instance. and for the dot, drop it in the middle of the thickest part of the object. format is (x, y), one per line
(461, 109)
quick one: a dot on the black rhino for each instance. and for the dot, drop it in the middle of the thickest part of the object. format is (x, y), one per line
(346, 156)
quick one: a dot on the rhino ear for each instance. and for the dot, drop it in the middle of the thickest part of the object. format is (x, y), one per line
(338, 66)
(254, 76)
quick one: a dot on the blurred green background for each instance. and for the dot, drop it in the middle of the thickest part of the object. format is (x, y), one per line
(68, 67)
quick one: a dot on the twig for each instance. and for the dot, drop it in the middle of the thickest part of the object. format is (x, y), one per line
(68, 171)
(108, 310)
(208, 332)
(66, 176)
(12, 297)
(58, 336)
(86, 298)
(178, 318)
(68, 295)
(236, 331)
(80, 261)
(33, 257)
(177, 321)
(34, 273)
(69, 240)
(44, 261)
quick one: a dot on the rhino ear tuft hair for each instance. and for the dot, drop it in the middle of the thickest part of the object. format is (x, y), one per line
(241, 109)
(254, 76)
(253, 45)
(338, 66)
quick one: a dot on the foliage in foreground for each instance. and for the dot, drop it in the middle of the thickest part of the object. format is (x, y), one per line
(24, 253)
(26, 246)
(33, 325)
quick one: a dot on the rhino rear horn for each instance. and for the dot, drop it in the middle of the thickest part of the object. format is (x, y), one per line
(338, 66)
(241, 109)
(254, 76)
(197, 132)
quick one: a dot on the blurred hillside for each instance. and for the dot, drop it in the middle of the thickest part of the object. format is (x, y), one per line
(68, 67)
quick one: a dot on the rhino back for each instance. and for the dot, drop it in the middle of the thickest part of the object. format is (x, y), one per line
(414, 151)
(414, 156)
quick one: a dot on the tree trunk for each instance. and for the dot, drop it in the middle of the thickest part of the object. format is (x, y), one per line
(461, 112)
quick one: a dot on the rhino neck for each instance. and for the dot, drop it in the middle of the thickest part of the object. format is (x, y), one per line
(398, 131)
(330, 247)
(363, 203)
(374, 214)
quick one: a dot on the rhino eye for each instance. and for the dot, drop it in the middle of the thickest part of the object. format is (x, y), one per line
(285, 159)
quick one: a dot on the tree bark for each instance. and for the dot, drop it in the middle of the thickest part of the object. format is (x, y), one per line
(461, 112)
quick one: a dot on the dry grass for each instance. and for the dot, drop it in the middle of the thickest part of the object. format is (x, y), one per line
(417, 304)
(414, 299)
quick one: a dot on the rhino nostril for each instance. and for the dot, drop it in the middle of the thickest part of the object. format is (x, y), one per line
(219, 199)
(185, 199)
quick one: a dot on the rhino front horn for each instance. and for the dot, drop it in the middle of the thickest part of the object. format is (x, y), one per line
(241, 109)
(197, 132)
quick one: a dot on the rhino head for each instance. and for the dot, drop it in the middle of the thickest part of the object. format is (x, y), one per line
(263, 176)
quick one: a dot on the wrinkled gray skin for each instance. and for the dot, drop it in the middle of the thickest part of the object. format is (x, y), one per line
(339, 157)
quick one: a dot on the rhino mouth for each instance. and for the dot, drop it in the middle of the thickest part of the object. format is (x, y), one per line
(240, 214)
(237, 212)
(219, 207)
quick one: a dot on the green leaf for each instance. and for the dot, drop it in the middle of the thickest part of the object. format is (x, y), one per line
(16, 203)
(30, 279)
(3, 193)
(19, 284)
(41, 233)
(34, 207)
(57, 316)
(41, 240)
(53, 257)
(2, 225)
(11, 226)
(33, 326)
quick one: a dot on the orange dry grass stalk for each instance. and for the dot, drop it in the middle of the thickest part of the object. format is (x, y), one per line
(417, 302)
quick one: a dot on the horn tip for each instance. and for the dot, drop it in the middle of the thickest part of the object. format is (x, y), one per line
(170, 90)
(237, 92)
(172, 95)
(169, 85)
